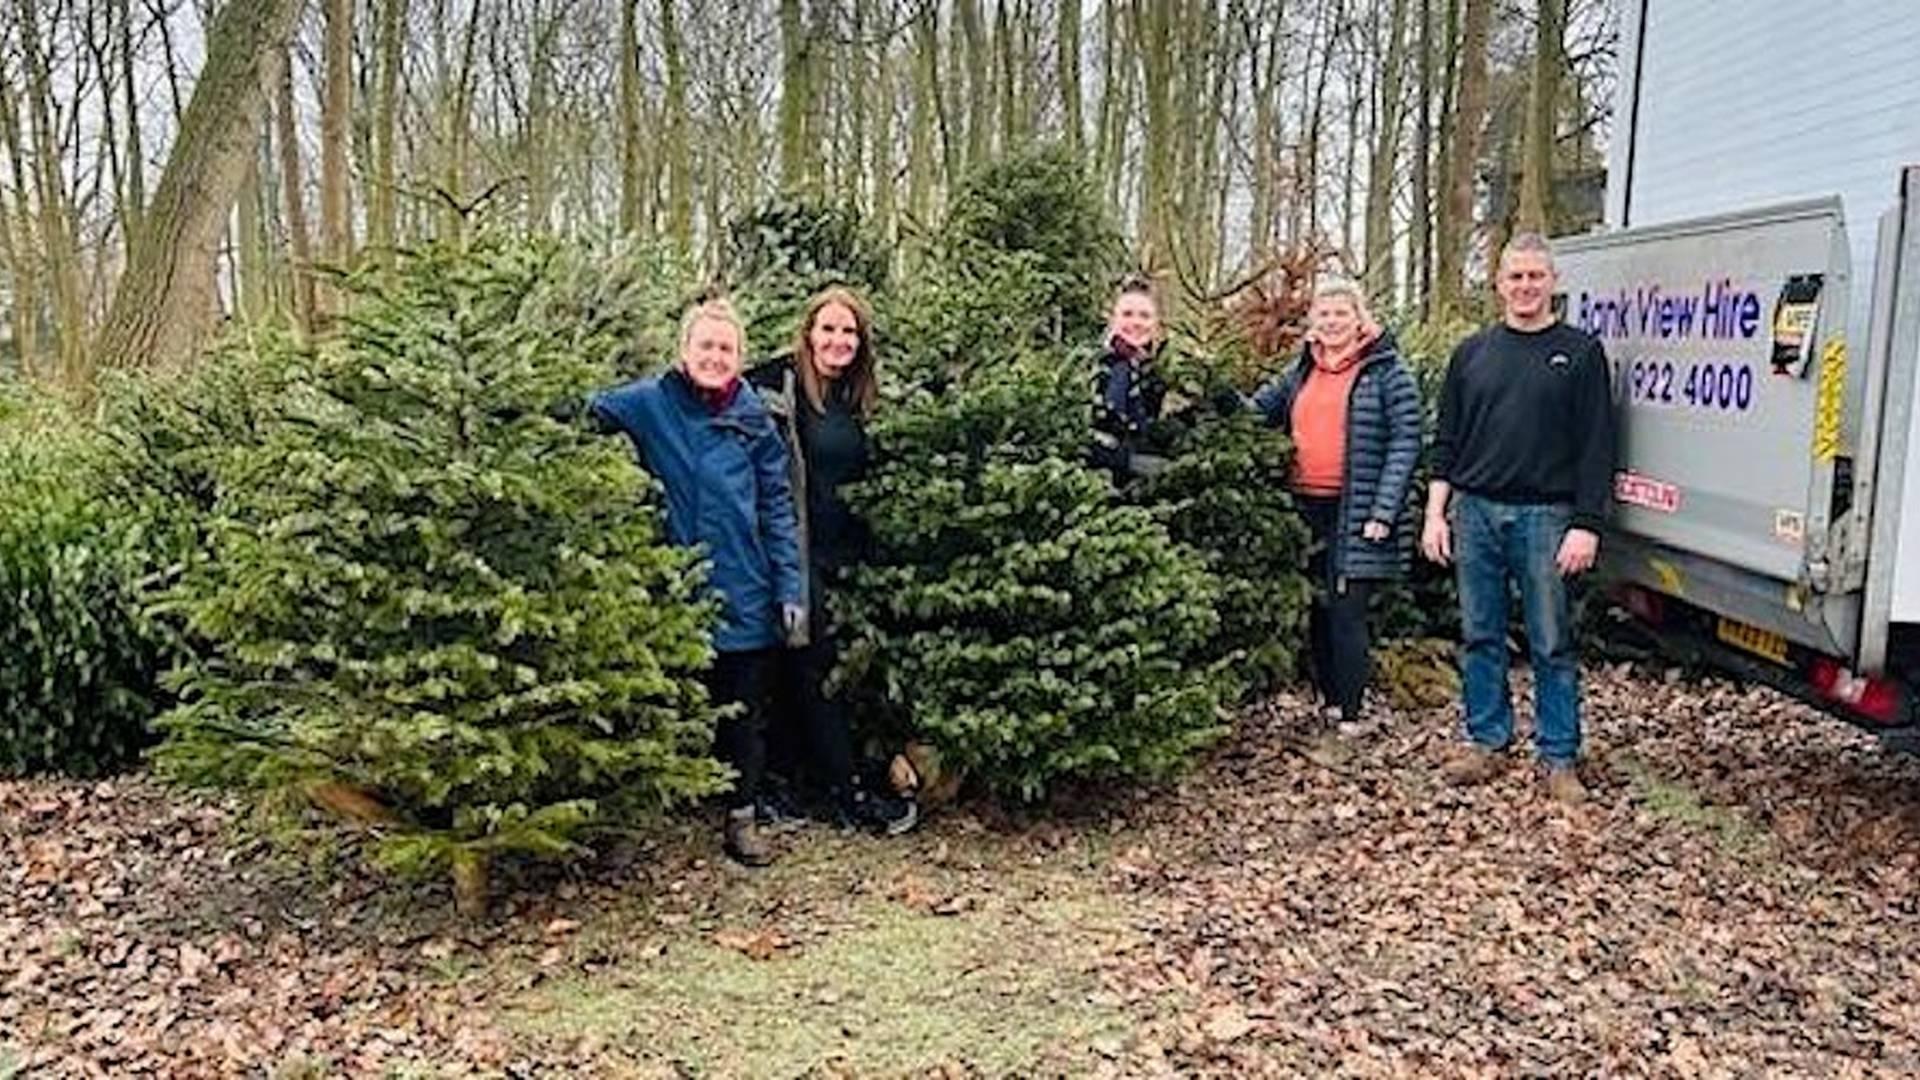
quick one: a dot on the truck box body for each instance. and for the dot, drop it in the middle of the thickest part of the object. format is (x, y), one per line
(1758, 291)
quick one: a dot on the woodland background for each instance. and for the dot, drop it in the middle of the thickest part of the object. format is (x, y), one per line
(167, 165)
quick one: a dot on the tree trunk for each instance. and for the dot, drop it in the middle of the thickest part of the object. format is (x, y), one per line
(25, 258)
(136, 168)
(294, 198)
(1420, 243)
(679, 155)
(1073, 112)
(979, 99)
(794, 94)
(1469, 118)
(631, 150)
(1263, 69)
(1536, 182)
(381, 223)
(1111, 136)
(459, 118)
(57, 237)
(928, 114)
(1385, 159)
(1307, 171)
(1153, 32)
(1007, 94)
(336, 192)
(881, 156)
(158, 310)
(540, 163)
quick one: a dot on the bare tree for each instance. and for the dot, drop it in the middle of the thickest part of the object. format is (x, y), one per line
(160, 309)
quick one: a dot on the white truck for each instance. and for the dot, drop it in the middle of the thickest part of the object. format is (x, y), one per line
(1757, 287)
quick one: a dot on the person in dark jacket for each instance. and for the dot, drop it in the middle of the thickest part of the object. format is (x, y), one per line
(1129, 391)
(1523, 459)
(714, 448)
(821, 397)
(1353, 412)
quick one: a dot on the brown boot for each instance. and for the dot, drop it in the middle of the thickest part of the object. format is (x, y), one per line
(1563, 784)
(1472, 764)
(742, 841)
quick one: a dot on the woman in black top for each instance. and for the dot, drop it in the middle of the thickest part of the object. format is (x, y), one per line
(822, 396)
(1129, 391)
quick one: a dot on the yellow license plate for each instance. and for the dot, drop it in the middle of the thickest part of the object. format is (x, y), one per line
(1754, 640)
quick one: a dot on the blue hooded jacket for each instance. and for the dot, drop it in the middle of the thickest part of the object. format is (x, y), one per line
(725, 476)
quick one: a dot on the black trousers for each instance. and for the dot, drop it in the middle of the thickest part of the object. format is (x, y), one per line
(812, 735)
(1337, 626)
(740, 678)
(821, 725)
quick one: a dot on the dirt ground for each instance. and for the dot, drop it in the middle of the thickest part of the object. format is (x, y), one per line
(1740, 897)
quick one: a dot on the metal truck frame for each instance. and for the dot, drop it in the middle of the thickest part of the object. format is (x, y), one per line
(1758, 292)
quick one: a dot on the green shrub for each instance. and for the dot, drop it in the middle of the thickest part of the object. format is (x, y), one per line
(421, 594)
(1017, 614)
(78, 682)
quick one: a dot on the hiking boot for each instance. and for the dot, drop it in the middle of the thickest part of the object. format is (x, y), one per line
(742, 840)
(1564, 786)
(1473, 764)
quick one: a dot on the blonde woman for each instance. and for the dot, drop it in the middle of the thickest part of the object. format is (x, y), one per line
(1353, 412)
(713, 446)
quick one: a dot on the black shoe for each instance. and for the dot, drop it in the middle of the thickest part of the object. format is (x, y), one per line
(778, 810)
(882, 815)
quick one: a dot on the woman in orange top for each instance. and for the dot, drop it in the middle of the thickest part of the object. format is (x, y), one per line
(1353, 412)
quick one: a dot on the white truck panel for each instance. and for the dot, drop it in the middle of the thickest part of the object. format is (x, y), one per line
(1752, 104)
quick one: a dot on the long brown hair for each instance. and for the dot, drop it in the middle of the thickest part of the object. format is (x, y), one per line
(862, 375)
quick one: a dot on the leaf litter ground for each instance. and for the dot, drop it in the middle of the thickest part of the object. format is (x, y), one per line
(1741, 896)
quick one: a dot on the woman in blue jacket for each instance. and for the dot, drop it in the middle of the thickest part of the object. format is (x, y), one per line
(713, 446)
(1353, 412)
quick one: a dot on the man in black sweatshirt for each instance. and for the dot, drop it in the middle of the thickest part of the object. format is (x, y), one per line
(1522, 473)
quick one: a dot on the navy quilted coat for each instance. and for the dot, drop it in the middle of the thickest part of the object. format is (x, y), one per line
(1383, 446)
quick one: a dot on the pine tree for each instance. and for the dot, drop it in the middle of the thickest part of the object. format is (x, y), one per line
(1018, 615)
(429, 604)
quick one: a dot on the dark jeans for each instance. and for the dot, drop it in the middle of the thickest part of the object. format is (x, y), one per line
(1495, 544)
(740, 678)
(1337, 625)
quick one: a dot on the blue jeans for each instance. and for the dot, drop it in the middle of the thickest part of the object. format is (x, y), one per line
(1494, 543)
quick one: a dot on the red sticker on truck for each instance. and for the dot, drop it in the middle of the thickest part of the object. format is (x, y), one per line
(1645, 492)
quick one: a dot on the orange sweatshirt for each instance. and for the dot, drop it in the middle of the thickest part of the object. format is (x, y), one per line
(1320, 422)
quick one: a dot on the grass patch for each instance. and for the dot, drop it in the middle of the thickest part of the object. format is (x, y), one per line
(874, 984)
(1676, 802)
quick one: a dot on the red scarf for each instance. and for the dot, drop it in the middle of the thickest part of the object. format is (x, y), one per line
(716, 401)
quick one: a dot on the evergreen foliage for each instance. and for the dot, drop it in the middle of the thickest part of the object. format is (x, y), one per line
(78, 667)
(790, 248)
(1225, 493)
(419, 588)
(1018, 615)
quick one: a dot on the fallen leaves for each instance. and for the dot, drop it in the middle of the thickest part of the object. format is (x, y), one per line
(761, 943)
(1739, 899)
(1376, 921)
